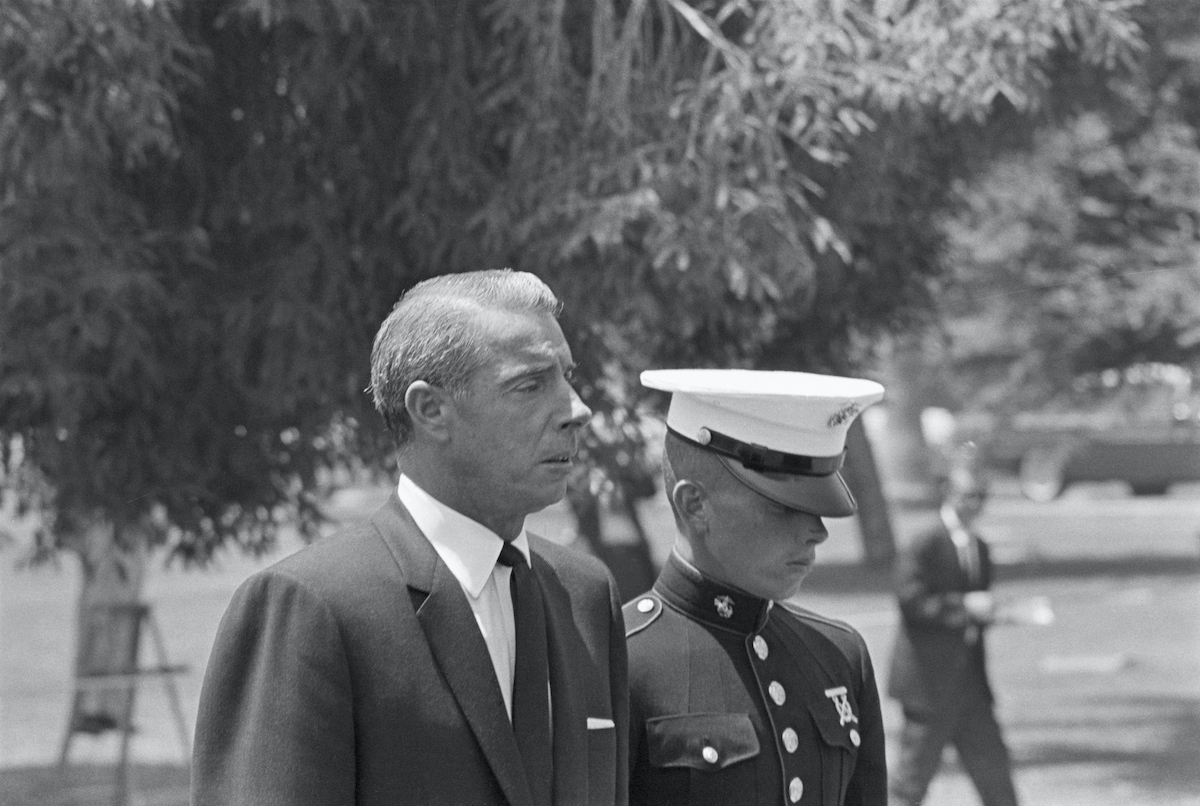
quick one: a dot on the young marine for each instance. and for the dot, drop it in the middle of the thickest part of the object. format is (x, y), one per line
(737, 695)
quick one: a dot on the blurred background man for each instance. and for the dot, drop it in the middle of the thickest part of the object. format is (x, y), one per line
(938, 670)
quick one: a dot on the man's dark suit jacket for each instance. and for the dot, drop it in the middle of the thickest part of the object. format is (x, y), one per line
(353, 672)
(934, 657)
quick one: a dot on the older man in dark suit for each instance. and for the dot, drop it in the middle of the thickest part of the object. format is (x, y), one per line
(437, 653)
(938, 670)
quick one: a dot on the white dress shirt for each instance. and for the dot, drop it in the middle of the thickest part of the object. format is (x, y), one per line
(470, 550)
(965, 542)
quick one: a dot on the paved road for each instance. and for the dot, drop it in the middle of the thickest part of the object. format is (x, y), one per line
(1102, 707)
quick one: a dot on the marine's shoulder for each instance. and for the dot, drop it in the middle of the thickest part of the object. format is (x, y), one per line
(843, 635)
(640, 612)
(816, 619)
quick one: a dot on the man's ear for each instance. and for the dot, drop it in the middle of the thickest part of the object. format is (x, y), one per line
(690, 501)
(430, 409)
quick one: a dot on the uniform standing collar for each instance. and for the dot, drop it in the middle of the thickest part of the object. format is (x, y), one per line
(684, 588)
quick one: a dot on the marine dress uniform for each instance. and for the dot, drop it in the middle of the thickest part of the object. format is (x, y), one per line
(736, 699)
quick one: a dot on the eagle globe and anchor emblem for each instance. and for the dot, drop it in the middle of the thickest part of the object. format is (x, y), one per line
(724, 606)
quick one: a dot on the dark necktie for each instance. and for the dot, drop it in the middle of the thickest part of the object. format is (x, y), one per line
(530, 700)
(968, 556)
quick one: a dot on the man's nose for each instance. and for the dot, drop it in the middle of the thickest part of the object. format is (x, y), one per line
(579, 411)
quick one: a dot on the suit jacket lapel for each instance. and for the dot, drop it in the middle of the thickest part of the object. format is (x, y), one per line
(567, 696)
(454, 639)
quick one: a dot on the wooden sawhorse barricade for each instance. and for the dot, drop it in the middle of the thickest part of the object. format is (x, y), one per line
(107, 674)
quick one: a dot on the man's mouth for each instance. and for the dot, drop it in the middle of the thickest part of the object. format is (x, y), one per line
(561, 459)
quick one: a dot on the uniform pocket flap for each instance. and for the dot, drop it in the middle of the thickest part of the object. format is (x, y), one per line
(700, 741)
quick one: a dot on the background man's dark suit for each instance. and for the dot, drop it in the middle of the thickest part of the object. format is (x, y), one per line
(938, 671)
(354, 670)
(932, 662)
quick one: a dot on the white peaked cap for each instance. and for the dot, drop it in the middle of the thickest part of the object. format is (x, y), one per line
(795, 417)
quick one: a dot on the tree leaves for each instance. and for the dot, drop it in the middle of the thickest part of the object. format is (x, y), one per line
(1084, 255)
(207, 207)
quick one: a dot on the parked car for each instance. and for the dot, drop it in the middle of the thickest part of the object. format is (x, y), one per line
(1142, 428)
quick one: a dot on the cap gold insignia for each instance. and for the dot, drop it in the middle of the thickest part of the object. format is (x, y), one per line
(724, 606)
(844, 414)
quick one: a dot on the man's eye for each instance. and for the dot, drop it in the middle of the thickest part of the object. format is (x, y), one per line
(569, 374)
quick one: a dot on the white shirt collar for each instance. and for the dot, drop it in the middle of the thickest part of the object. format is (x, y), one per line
(468, 548)
(954, 525)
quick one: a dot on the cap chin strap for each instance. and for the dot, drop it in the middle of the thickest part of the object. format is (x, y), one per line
(766, 460)
(840, 506)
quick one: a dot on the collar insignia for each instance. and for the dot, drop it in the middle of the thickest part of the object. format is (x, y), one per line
(842, 704)
(724, 606)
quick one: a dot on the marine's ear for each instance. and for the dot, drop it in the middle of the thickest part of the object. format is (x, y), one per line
(689, 499)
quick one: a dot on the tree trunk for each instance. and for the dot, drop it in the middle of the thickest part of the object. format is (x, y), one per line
(629, 561)
(862, 475)
(908, 462)
(638, 571)
(113, 571)
(585, 506)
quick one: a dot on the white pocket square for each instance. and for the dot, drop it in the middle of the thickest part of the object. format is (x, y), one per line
(599, 723)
